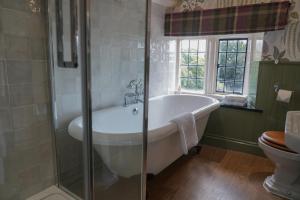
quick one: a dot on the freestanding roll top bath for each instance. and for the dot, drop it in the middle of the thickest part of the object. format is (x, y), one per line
(119, 145)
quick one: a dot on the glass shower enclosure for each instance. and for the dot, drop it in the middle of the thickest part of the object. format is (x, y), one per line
(99, 62)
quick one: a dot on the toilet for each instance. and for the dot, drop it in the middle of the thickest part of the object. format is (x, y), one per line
(285, 181)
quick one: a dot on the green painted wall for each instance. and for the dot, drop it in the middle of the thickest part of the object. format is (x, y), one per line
(240, 129)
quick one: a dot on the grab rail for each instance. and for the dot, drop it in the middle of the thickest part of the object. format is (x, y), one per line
(74, 34)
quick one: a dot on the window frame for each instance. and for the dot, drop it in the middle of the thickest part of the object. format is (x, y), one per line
(178, 63)
(235, 67)
(212, 48)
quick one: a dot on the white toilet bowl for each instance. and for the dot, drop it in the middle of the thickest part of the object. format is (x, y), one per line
(283, 148)
(285, 181)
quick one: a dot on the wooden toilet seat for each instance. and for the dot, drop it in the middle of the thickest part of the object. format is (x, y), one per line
(276, 140)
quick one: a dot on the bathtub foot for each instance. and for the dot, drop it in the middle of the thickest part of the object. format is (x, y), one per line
(150, 177)
(195, 150)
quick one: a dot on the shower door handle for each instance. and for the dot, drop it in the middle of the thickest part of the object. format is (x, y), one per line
(73, 63)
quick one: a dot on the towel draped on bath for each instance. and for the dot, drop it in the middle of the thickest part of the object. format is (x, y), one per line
(187, 130)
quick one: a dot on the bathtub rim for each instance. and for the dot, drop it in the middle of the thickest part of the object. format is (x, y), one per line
(135, 138)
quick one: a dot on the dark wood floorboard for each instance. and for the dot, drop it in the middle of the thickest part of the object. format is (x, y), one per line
(213, 174)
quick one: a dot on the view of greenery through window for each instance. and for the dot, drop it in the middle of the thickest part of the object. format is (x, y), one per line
(192, 64)
(231, 65)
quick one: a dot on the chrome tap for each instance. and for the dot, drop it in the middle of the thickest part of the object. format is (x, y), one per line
(134, 98)
(137, 85)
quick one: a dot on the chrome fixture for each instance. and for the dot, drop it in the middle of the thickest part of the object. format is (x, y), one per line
(136, 84)
(276, 87)
(135, 111)
(74, 37)
(34, 5)
(134, 97)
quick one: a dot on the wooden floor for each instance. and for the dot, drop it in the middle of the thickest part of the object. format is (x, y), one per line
(213, 174)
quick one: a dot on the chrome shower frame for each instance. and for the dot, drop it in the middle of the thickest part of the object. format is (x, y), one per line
(85, 64)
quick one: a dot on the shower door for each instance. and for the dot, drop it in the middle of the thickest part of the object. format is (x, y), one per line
(118, 30)
(100, 74)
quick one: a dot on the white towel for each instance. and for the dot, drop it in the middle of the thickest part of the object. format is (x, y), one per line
(187, 129)
(235, 100)
(234, 104)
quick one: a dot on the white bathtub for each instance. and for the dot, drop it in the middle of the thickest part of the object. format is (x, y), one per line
(117, 132)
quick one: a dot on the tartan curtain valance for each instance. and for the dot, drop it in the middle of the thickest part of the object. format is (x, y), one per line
(231, 20)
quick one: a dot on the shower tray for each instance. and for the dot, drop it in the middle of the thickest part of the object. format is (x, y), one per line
(51, 193)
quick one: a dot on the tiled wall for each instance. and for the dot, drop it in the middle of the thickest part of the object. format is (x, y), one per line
(117, 56)
(118, 35)
(162, 59)
(26, 157)
(67, 101)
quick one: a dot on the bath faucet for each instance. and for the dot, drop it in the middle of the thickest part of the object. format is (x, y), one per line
(137, 85)
(134, 97)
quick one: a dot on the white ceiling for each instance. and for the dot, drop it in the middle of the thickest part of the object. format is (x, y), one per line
(164, 2)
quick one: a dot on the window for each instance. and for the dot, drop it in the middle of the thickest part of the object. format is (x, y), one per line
(216, 64)
(231, 66)
(192, 64)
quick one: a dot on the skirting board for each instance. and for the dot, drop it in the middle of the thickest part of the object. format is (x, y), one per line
(231, 143)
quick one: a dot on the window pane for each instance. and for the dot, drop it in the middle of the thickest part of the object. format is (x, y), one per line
(184, 45)
(193, 45)
(202, 46)
(231, 59)
(200, 84)
(201, 59)
(220, 86)
(184, 59)
(231, 65)
(184, 71)
(232, 46)
(193, 59)
(223, 46)
(184, 83)
(230, 74)
(238, 87)
(193, 72)
(221, 73)
(222, 59)
(239, 75)
(192, 84)
(201, 72)
(229, 86)
(242, 45)
(241, 59)
(192, 64)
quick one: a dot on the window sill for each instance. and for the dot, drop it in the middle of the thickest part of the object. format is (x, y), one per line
(220, 97)
(245, 108)
(194, 92)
